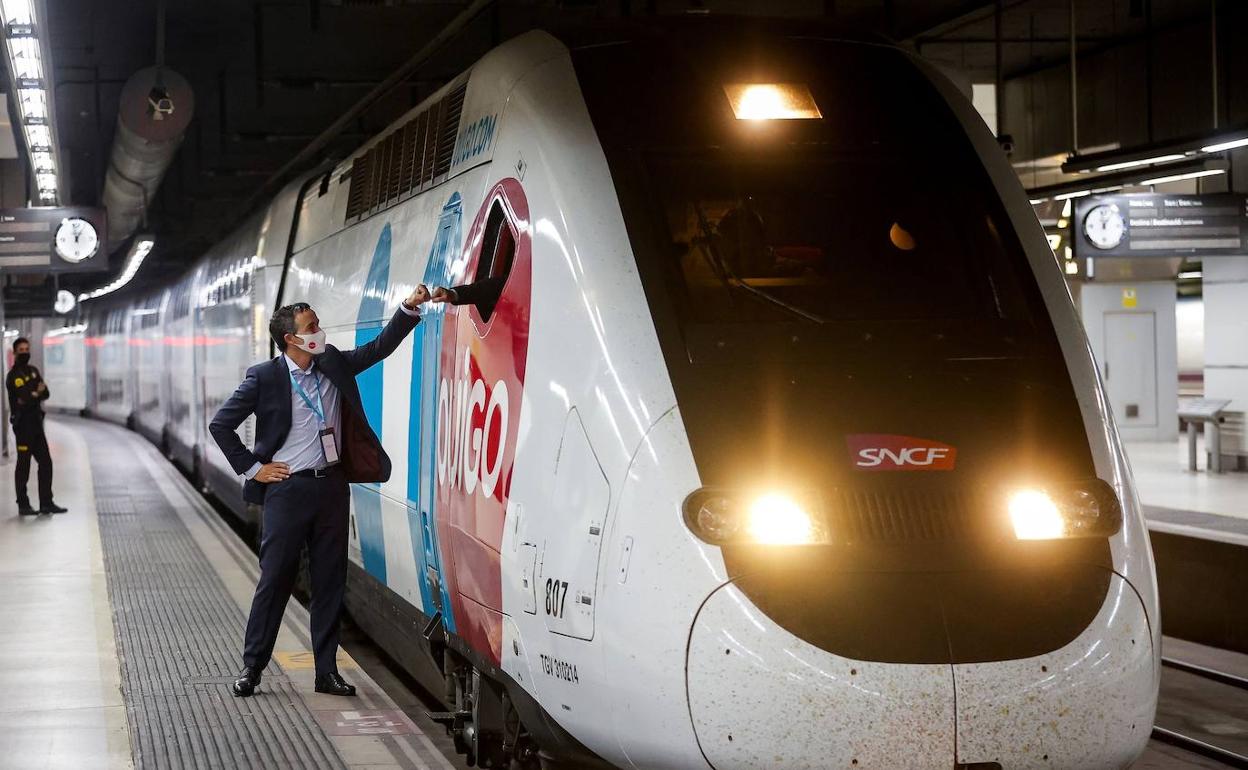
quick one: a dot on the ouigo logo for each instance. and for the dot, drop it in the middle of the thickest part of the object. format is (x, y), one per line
(888, 452)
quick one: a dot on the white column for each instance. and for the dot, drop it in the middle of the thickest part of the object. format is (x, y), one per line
(1225, 288)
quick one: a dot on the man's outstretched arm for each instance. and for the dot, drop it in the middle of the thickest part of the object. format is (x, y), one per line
(400, 325)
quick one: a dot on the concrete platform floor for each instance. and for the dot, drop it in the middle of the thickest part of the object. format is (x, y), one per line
(1163, 480)
(65, 689)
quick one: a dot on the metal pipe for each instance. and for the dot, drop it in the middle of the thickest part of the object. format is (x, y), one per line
(1074, 85)
(395, 78)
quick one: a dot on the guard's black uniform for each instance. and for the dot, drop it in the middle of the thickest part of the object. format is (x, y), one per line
(26, 397)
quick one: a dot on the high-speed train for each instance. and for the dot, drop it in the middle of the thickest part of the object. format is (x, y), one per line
(782, 445)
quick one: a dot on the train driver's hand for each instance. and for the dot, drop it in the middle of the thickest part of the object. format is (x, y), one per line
(442, 294)
(418, 297)
(271, 472)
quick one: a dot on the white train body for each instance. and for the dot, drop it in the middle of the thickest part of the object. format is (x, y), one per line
(533, 522)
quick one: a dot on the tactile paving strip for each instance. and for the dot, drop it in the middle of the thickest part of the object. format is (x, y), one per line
(179, 636)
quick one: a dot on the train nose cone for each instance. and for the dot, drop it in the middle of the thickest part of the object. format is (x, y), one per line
(1089, 704)
(760, 696)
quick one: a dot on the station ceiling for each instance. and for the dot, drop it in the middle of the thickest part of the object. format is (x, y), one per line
(270, 75)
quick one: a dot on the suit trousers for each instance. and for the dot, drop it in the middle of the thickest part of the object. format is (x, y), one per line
(301, 511)
(31, 443)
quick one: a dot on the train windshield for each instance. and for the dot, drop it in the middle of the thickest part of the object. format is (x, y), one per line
(825, 238)
(875, 218)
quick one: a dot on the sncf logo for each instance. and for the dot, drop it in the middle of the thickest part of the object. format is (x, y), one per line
(887, 452)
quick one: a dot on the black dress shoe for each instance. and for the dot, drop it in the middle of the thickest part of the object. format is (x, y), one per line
(24, 509)
(245, 685)
(334, 684)
(52, 508)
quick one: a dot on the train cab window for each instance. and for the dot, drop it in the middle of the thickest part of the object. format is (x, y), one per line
(497, 251)
(832, 239)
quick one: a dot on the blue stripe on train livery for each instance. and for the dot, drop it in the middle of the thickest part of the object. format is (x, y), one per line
(369, 322)
(422, 421)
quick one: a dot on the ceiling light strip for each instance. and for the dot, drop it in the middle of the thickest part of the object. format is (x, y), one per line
(30, 80)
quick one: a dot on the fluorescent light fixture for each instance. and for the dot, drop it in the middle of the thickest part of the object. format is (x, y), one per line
(1072, 268)
(1066, 209)
(1142, 162)
(33, 103)
(39, 137)
(1069, 195)
(771, 101)
(18, 12)
(1220, 147)
(138, 252)
(1190, 275)
(30, 75)
(1179, 177)
(26, 59)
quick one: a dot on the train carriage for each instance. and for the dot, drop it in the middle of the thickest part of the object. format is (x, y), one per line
(778, 442)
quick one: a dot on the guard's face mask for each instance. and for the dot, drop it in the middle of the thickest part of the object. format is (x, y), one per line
(312, 342)
(22, 359)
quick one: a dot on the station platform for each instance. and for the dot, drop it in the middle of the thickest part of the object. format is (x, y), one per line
(1194, 503)
(122, 628)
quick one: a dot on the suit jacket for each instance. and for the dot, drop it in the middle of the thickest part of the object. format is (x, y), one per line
(265, 392)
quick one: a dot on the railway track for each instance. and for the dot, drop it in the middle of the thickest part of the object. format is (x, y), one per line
(1190, 743)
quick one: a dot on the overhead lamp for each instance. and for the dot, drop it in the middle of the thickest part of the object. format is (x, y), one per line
(1223, 146)
(42, 161)
(25, 44)
(26, 60)
(1103, 183)
(771, 101)
(33, 103)
(1158, 153)
(139, 249)
(18, 12)
(39, 137)
(1179, 177)
(1141, 162)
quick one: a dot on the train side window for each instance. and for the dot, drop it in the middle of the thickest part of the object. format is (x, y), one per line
(497, 251)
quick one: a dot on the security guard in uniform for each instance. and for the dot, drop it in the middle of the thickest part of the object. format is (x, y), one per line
(27, 392)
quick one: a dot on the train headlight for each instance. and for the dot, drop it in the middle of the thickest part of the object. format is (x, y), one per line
(1084, 509)
(722, 517)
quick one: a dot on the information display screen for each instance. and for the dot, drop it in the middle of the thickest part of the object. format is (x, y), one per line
(1157, 225)
(52, 239)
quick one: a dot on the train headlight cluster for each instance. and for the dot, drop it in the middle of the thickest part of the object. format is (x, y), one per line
(1088, 509)
(771, 518)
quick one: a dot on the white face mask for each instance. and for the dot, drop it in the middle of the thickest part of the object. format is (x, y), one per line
(313, 342)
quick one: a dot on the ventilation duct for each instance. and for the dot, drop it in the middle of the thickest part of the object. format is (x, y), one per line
(155, 109)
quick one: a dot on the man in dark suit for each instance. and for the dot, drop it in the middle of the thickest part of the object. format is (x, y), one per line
(312, 440)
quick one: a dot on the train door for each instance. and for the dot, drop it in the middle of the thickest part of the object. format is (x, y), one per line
(428, 339)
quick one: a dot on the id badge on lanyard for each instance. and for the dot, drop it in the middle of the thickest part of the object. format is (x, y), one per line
(329, 443)
(329, 446)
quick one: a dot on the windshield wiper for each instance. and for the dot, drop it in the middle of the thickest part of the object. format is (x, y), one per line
(731, 281)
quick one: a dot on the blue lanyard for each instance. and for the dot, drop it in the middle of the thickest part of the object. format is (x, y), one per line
(318, 411)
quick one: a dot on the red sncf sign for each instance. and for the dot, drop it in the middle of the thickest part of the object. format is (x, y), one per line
(887, 452)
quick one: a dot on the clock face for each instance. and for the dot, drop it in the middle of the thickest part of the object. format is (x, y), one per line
(1105, 226)
(76, 239)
